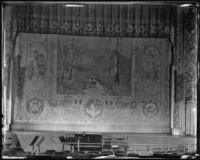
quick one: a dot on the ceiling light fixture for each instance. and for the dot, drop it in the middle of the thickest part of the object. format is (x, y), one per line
(186, 5)
(74, 5)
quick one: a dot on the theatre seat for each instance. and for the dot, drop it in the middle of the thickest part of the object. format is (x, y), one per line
(133, 155)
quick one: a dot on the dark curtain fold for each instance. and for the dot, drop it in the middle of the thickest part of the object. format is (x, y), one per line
(97, 20)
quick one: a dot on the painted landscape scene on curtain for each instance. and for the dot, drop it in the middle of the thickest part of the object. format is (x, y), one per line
(93, 64)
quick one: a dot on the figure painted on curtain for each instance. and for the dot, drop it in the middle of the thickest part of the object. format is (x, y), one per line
(39, 64)
(68, 60)
(36, 70)
(113, 67)
(30, 70)
(116, 67)
(36, 66)
(69, 69)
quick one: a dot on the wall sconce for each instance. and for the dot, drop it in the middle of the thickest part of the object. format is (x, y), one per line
(189, 5)
(185, 5)
(194, 109)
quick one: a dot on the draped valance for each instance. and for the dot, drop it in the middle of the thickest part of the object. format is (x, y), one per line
(97, 20)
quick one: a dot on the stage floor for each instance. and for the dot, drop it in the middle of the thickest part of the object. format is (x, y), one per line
(140, 143)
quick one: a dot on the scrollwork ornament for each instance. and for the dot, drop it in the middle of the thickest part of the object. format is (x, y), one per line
(34, 106)
(93, 107)
(150, 110)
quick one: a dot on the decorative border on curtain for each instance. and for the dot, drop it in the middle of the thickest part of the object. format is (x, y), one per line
(178, 70)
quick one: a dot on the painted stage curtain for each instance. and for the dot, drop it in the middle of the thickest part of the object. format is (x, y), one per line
(97, 20)
(92, 20)
(87, 83)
